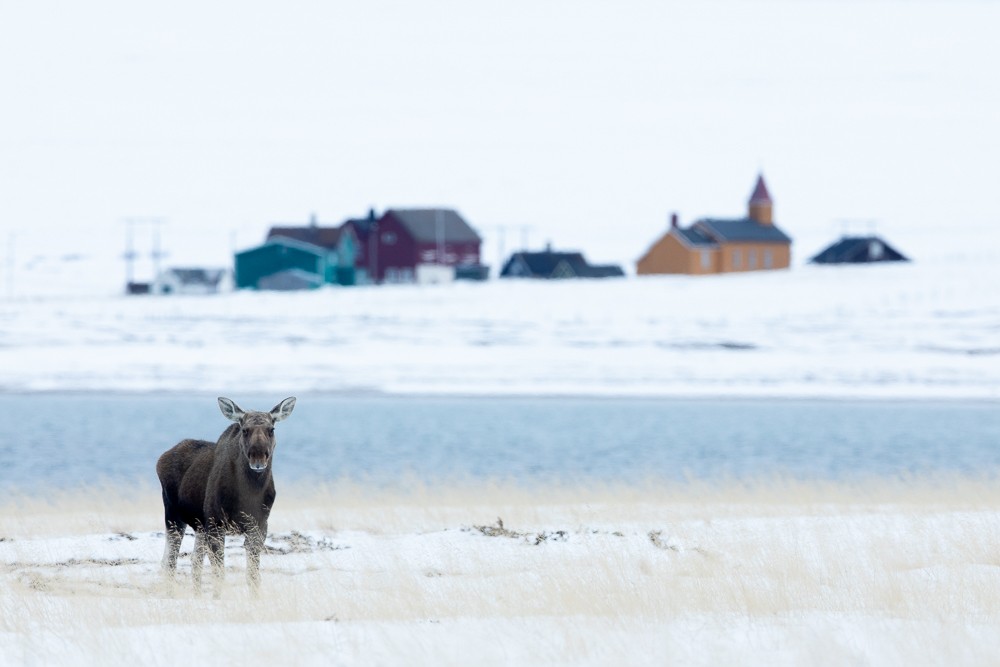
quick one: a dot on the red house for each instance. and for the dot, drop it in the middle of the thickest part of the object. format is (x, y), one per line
(404, 242)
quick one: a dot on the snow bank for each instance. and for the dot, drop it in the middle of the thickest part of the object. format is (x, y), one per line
(926, 329)
(779, 574)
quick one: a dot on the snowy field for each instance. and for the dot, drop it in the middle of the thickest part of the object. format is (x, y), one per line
(925, 329)
(776, 574)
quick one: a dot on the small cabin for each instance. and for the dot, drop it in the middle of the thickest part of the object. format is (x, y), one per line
(283, 263)
(550, 264)
(189, 281)
(340, 243)
(858, 250)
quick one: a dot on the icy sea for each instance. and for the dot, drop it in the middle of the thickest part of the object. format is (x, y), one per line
(66, 440)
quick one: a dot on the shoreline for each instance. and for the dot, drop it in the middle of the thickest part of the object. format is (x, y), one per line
(990, 398)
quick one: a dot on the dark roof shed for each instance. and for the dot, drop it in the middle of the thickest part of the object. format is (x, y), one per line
(858, 250)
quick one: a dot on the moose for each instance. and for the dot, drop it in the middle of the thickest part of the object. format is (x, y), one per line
(221, 488)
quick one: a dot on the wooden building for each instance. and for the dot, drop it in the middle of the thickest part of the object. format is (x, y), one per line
(284, 263)
(365, 259)
(194, 280)
(340, 243)
(401, 246)
(550, 264)
(407, 239)
(722, 245)
(858, 250)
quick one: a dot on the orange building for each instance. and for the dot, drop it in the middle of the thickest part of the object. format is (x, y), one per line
(714, 245)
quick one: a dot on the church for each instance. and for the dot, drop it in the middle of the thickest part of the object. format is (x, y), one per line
(722, 245)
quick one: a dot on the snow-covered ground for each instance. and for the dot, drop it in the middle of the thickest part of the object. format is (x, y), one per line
(780, 574)
(930, 328)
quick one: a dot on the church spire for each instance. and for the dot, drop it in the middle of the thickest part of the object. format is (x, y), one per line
(761, 206)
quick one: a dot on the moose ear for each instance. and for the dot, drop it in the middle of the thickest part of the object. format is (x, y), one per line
(230, 409)
(283, 409)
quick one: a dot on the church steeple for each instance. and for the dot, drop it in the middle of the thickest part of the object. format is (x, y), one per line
(761, 207)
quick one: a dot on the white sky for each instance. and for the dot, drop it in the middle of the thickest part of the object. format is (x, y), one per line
(588, 121)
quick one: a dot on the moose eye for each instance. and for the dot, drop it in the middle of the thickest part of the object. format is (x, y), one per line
(246, 433)
(270, 431)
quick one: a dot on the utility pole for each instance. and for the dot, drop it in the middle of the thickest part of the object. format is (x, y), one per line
(130, 253)
(156, 253)
(439, 228)
(501, 238)
(501, 233)
(373, 253)
(10, 266)
(525, 229)
(849, 226)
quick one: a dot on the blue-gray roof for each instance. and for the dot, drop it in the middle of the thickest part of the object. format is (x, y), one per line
(695, 237)
(304, 246)
(544, 265)
(741, 230)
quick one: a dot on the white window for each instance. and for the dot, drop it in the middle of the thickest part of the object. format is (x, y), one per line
(737, 259)
(752, 259)
(388, 238)
(706, 260)
(875, 250)
(768, 259)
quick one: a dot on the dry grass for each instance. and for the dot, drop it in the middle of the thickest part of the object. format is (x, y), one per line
(884, 570)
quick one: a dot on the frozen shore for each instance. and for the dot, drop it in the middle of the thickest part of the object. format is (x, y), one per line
(907, 331)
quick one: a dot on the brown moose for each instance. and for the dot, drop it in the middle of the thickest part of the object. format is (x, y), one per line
(221, 488)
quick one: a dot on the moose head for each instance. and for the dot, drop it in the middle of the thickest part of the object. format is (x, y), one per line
(256, 430)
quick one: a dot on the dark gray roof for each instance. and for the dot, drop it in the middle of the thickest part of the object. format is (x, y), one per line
(545, 264)
(857, 250)
(304, 246)
(325, 237)
(422, 223)
(362, 226)
(695, 237)
(741, 229)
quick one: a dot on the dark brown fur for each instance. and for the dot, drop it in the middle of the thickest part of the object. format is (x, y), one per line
(222, 488)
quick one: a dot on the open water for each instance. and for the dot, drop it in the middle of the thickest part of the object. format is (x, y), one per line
(67, 440)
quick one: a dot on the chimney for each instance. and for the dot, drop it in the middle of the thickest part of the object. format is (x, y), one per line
(673, 220)
(312, 219)
(371, 214)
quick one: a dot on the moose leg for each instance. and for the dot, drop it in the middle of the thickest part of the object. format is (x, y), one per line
(198, 558)
(254, 544)
(215, 538)
(174, 535)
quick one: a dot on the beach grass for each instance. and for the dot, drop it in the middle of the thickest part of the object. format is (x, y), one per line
(772, 572)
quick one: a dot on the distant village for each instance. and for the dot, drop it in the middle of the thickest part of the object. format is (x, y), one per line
(437, 245)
